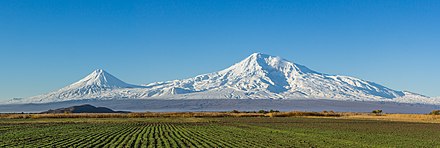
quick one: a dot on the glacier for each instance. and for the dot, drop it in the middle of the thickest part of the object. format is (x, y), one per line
(259, 76)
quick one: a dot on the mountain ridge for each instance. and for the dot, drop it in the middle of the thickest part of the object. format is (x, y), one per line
(85, 108)
(259, 76)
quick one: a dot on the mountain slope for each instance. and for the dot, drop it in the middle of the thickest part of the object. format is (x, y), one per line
(259, 76)
(94, 85)
(411, 97)
(262, 76)
(99, 79)
(86, 108)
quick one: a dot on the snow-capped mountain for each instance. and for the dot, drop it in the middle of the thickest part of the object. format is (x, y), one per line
(263, 76)
(259, 76)
(94, 85)
(96, 81)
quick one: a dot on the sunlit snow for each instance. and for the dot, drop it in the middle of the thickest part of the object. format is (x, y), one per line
(259, 76)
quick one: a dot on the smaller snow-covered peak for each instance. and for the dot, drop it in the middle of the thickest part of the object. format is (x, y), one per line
(102, 79)
(98, 72)
(97, 75)
(97, 84)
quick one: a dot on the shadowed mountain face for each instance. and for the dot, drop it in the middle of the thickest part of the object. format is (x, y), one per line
(83, 109)
(259, 76)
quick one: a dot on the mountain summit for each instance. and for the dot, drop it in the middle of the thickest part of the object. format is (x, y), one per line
(259, 76)
(262, 76)
(99, 79)
(94, 85)
(259, 61)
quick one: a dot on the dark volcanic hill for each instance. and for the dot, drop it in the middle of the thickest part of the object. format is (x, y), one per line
(83, 109)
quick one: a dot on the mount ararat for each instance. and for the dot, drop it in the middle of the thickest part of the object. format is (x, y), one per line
(259, 76)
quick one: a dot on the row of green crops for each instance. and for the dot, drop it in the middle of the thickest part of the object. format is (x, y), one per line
(219, 132)
(109, 135)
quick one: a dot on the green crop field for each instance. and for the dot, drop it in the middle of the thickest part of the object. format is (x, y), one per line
(216, 132)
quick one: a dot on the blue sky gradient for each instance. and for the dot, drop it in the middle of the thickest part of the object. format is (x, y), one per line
(47, 44)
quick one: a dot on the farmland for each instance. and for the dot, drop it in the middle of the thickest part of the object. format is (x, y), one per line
(216, 132)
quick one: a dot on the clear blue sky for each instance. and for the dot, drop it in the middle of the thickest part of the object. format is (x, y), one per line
(47, 44)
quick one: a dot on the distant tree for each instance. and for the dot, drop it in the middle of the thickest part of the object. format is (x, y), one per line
(435, 112)
(235, 111)
(274, 111)
(262, 111)
(377, 112)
